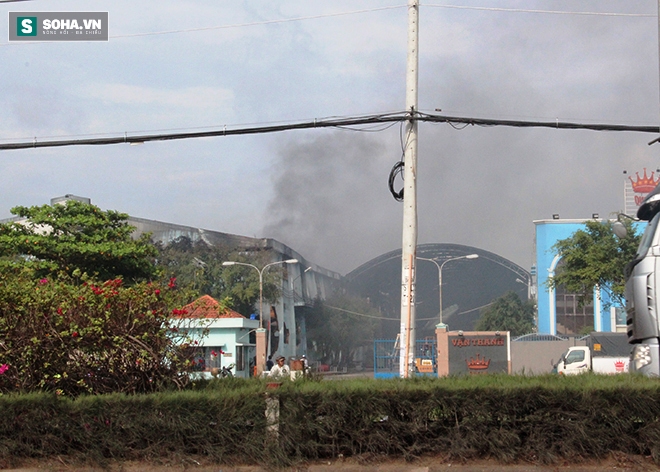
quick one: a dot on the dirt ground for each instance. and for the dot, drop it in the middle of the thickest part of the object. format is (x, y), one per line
(619, 463)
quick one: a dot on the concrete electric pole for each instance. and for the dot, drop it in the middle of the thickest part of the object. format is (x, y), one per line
(409, 246)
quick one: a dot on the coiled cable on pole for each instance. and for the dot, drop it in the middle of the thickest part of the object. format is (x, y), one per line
(396, 170)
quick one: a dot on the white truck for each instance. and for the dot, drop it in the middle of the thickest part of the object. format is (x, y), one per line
(605, 353)
(642, 291)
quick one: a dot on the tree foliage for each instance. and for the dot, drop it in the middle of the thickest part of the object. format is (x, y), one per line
(508, 313)
(595, 256)
(199, 266)
(338, 326)
(76, 237)
(94, 337)
(82, 309)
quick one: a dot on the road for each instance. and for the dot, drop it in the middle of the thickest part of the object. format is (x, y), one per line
(615, 463)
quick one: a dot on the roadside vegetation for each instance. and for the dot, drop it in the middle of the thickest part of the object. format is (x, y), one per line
(511, 419)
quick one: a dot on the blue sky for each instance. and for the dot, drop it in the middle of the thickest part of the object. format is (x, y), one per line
(324, 192)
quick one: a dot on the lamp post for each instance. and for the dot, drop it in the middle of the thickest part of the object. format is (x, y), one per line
(261, 349)
(440, 266)
(527, 284)
(292, 284)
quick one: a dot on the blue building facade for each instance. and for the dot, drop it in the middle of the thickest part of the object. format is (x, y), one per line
(559, 312)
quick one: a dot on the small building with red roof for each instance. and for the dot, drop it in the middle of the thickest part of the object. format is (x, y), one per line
(222, 336)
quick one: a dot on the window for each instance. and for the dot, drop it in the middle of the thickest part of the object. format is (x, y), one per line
(206, 358)
(213, 356)
(571, 317)
(620, 316)
(575, 356)
(240, 358)
(647, 237)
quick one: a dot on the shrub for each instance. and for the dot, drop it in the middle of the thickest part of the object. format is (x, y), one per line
(89, 337)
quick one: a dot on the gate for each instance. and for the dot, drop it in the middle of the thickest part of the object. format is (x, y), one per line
(387, 354)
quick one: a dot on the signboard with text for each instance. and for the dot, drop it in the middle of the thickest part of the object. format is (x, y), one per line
(478, 353)
(58, 26)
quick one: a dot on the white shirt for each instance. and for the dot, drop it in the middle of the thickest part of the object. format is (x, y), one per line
(279, 371)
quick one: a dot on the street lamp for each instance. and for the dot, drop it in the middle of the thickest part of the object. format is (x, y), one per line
(527, 284)
(293, 284)
(440, 266)
(260, 348)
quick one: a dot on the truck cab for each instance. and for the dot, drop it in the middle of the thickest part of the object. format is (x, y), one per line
(642, 303)
(577, 360)
(642, 279)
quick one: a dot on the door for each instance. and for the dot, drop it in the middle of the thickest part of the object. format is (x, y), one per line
(577, 361)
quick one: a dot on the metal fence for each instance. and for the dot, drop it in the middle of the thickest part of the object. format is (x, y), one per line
(550, 337)
(387, 354)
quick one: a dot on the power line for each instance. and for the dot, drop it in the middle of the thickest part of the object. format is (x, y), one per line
(397, 319)
(261, 23)
(362, 314)
(352, 12)
(142, 138)
(237, 25)
(550, 12)
(320, 123)
(536, 124)
(459, 313)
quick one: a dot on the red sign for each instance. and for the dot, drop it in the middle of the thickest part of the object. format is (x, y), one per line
(643, 185)
(464, 342)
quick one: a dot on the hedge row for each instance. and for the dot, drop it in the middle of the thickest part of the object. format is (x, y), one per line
(511, 419)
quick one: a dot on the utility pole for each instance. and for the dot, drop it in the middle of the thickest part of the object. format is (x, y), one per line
(409, 244)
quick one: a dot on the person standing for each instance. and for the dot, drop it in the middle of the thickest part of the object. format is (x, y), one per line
(269, 362)
(280, 369)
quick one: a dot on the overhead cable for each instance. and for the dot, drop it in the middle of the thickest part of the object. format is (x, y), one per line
(142, 138)
(260, 23)
(232, 26)
(536, 124)
(138, 138)
(547, 12)
(353, 12)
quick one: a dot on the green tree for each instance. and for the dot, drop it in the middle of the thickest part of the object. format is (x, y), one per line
(338, 326)
(199, 265)
(76, 237)
(508, 313)
(595, 256)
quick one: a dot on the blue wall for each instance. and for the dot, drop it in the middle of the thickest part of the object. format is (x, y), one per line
(548, 232)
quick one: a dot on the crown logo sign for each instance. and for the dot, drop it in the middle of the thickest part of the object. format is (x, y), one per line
(477, 363)
(619, 366)
(644, 184)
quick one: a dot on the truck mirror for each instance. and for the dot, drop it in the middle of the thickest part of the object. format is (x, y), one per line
(620, 230)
